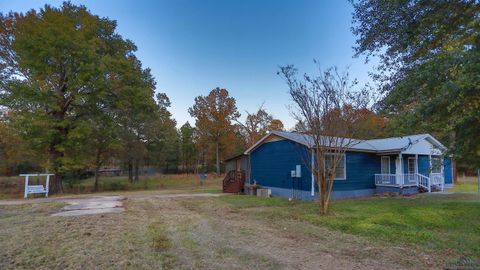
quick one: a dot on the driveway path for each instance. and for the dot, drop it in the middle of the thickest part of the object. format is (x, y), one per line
(91, 205)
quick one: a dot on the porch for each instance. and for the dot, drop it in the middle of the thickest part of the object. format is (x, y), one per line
(415, 170)
(433, 182)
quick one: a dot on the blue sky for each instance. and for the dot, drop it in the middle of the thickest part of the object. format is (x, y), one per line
(195, 46)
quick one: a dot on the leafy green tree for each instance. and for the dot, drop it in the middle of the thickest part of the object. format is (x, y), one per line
(430, 61)
(57, 66)
(162, 137)
(135, 110)
(15, 155)
(188, 150)
(104, 142)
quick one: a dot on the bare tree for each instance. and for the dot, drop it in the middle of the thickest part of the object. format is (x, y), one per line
(327, 108)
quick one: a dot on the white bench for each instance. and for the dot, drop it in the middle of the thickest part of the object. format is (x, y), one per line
(31, 189)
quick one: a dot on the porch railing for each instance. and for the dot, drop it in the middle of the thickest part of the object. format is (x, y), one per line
(437, 180)
(410, 179)
(385, 179)
(424, 181)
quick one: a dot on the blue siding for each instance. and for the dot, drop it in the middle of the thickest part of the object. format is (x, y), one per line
(361, 168)
(272, 162)
(424, 165)
(447, 170)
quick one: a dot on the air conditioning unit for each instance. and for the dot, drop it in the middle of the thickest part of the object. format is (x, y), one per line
(264, 192)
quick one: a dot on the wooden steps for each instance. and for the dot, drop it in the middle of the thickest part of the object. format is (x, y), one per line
(234, 182)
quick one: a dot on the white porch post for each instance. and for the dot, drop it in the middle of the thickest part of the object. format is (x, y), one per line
(313, 177)
(416, 163)
(416, 169)
(400, 179)
(430, 168)
(430, 176)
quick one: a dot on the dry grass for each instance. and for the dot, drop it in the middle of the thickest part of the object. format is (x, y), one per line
(233, 232)
(12, 187)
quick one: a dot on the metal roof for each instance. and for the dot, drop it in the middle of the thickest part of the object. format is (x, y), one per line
(392, 144)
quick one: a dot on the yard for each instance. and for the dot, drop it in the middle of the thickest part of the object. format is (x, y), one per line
(466, 184)
(12, 187)
(243, 232)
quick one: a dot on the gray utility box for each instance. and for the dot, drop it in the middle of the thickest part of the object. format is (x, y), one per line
(264, 192)
(251, 189)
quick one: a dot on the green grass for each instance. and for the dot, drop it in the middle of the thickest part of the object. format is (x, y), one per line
(469, 184)
(449, 223)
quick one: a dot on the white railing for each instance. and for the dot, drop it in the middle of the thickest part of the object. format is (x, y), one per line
(424, 181)
(437, 180)
(386, 179)
(410, 179)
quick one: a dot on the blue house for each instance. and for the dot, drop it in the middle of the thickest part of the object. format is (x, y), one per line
(404, 165)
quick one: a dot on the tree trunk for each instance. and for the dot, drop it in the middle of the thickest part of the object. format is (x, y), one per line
(478, 180)
(218, 159)
(322, 192)
(130, 171)
(136, 170)
(98, 164)
(54, 156)
(95, 188)
(56, 185)
(62, 131)
(325, 191)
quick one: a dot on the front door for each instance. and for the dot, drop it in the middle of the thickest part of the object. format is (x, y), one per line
(412, 169)
(411, 165)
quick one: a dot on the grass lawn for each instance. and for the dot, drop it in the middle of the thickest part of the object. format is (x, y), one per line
(244, 232)
(449, 223)
(469, 184)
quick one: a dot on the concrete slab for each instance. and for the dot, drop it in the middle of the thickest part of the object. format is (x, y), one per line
(94, 203)
(83, 212)
(91, 206)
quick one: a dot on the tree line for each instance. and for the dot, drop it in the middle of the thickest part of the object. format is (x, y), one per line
(74, 98)
(429, 68)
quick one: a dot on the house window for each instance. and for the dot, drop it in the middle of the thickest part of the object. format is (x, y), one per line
(341, 169)
(385, 165)
(436, 165)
